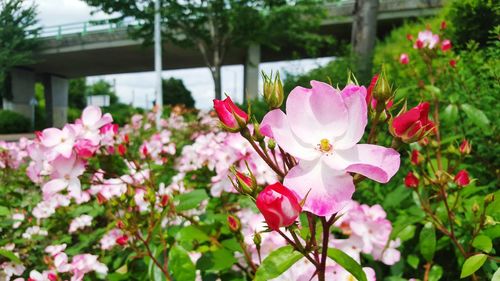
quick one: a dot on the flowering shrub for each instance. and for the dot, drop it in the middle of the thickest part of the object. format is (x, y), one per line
(220, 196)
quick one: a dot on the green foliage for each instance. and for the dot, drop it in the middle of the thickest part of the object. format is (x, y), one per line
(472, 264)
(76, 94)
(347, 263)
(103, 87)
(12, 122)
(334, 72)
(276, 263)
(175, 93)
(473, 20)
(17, 37)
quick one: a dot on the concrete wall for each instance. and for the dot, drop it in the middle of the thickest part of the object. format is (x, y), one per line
(56, 99)
(251, 72)
(23, 90)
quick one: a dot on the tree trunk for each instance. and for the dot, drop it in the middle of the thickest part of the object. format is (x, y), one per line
(364, 32)
(216, 75)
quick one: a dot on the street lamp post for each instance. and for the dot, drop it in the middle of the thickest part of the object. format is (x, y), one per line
(158, 67)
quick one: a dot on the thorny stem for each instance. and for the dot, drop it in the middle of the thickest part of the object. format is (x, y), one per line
(152, 257)
(373, 129)
(248, 257)
(297, 248)
(262, 155)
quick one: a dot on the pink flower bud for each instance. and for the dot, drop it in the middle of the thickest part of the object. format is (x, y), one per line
(462, 178)
(411, 181)
(279, 205)
(465, 147)
(409, 37)
(85, 149)
(404, 59)
(413, 125)
(120, 224)
(232, 117)
(445, 45)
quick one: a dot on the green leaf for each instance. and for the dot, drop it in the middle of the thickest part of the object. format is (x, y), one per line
(191, 234)
(428, 241)
(435, 91)
(347, 263)
(476, 116)
(496, 276)
(451, 113)
(472, 264)
(483, 242)
(180, 265)
(435, 273)
(4, 211)
(413, 261)
(190, 200)
(9, 255)
(277, 262)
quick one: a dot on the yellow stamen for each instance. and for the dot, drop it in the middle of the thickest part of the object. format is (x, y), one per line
(325, 145)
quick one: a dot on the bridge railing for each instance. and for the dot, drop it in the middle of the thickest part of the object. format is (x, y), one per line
(342, 8)
(93, 26)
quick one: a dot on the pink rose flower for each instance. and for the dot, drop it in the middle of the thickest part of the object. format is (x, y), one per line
(321, 129)
(279, 205)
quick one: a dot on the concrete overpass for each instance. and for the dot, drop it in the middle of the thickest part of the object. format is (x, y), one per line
(87, 49)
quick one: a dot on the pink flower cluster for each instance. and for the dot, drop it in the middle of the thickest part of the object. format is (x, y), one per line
(369, 233)
(13, 154)
(59, 158)
(219, 151)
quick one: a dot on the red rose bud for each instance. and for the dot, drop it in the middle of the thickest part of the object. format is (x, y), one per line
(122, 240)
(465, 147)
(233, 223)
(145, 150)
(101, 199)
(279, 205)
(409, 37)
(120, 224)
(412, 125)
(443, 25)
(411, 181)
(416, 158)
(232, 118)
(445, 45)
(369, 91)
(52, 277)
(122, 149)
(462, 178)
(453, 63)
(126, 138)
(164, 200)
(247, 184)
(419, 44)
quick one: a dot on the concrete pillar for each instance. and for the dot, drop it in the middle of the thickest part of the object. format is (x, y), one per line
(251, 72)
(23, 91)
(56, 100)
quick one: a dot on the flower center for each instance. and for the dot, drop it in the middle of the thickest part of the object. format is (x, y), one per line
(325, 146)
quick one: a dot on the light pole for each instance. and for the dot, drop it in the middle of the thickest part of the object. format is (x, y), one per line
(158, 67)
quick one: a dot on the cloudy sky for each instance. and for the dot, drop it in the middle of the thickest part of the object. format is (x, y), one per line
(138, 88)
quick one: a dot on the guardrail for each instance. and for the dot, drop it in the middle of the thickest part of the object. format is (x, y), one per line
(340, 8)
(93, 26)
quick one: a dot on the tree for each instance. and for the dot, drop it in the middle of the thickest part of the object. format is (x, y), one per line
(215, 26)
(363, 36)
(76, 93)
(174, 92)
(17, 38)
(103, 87)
